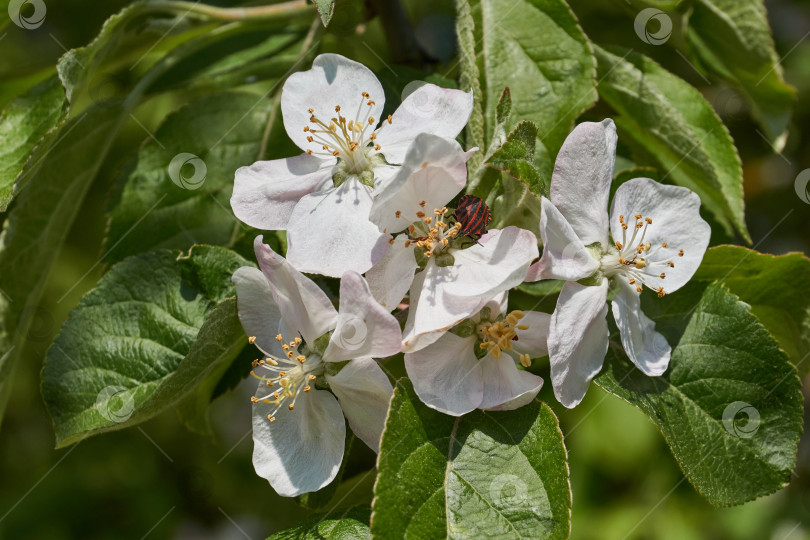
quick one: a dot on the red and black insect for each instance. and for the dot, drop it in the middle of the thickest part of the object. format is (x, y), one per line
(474, 216)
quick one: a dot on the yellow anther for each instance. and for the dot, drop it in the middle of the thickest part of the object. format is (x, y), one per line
(310, 111)
(680, 253)
(306, 388)
(290, 406)
(525, 360)
(660, 291)
(301, 358)
(638, 288)
(648, 220)
(252, 340)
(271, 418)
(279, 338)
(420, 214)
(377, 147)
(663, 244)
(254, 399)
(618, 245)
(663, 275)
(390, 119)
(337, 108)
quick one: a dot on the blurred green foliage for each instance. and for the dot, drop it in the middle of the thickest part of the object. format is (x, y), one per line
(160, 480)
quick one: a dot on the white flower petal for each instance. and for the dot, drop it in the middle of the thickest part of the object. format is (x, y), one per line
(302, 449)
(265, 193)
(435, 171)
(363, 391)
(647, 348)
(505, 386)
(446, 375)
(534, 340)
(432, 311)
(498, 262)
(391, 278)
(564, 254)
(305, 308)
(383, 174)
(333, 80)
(578, 340)
(429, 109)
(675, 214)
(329, 232)
(583, 172)
(258, 312)
(364, 327)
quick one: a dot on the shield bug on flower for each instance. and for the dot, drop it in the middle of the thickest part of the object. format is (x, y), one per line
(474, 216)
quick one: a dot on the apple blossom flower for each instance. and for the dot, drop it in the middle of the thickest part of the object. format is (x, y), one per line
(474, 366)
(322, 198)
(653, 237)
(450, 277)
(317, 368)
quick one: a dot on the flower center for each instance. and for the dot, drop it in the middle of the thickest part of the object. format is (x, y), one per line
(287, 377)
(498, 336)
(629, 259)
(351, 141)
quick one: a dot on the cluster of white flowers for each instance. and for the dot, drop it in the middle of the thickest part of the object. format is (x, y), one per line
(370, 196)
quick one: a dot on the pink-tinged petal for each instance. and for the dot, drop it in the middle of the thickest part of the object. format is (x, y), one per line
(446, 375)
(258, 312)
(534, 340)
(265, 193)
(647, 349)
(363, 391)
(580, 183)
(578, 340)
(498, 262)
(390, 279)
(333, 81)
(435, 171)
(302, 449)
(305, 308)
(564, 255)
(676, 221)
(429, 109)
(329, 233)
(364, 327)
(505, 386)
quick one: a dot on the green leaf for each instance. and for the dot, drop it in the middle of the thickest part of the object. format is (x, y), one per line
(155, 328)
(153, 211)
(730, 404)
(538, 50)
(23, 124)
(670, 123)
(326, 8)
(484, 475)
(350, 525)
(470, 77)
(775, 286)
(733, 38)
(516, 156)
